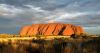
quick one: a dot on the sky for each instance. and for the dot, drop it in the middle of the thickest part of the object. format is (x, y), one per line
(16, 13)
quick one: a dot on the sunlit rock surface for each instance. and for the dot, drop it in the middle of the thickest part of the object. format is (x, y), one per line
(51, 29)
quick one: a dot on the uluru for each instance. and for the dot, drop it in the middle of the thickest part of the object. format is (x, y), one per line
(51, 29)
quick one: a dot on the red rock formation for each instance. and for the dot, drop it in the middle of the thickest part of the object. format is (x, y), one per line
(68, 29)
(36, 29)
(24, 30)
(78, 30)
(58, 29)
(41, 28)
(30, 32)
(51, 29)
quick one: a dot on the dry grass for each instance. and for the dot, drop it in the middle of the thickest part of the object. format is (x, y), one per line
(49, 44)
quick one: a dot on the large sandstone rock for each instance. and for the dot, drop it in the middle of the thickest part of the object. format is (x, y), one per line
(51, 29)
(30, 32)
(24, 30)
(58, 29)
(68, 29)
(78, 30)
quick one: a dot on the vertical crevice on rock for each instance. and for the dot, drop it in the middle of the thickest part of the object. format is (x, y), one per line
(46, 29)
(43, 29)
(54, 29)
(60, 33)
(73, 28)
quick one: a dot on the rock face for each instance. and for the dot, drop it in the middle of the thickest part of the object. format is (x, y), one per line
(51, 29)
(25, 30)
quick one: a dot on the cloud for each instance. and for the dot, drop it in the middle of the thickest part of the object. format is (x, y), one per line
(8, 10)
(62, 16)
(13, 11)
(38, 9)
(38, 12)
(16, 13)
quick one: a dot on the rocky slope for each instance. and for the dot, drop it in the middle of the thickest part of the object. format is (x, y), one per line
(51, 29)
